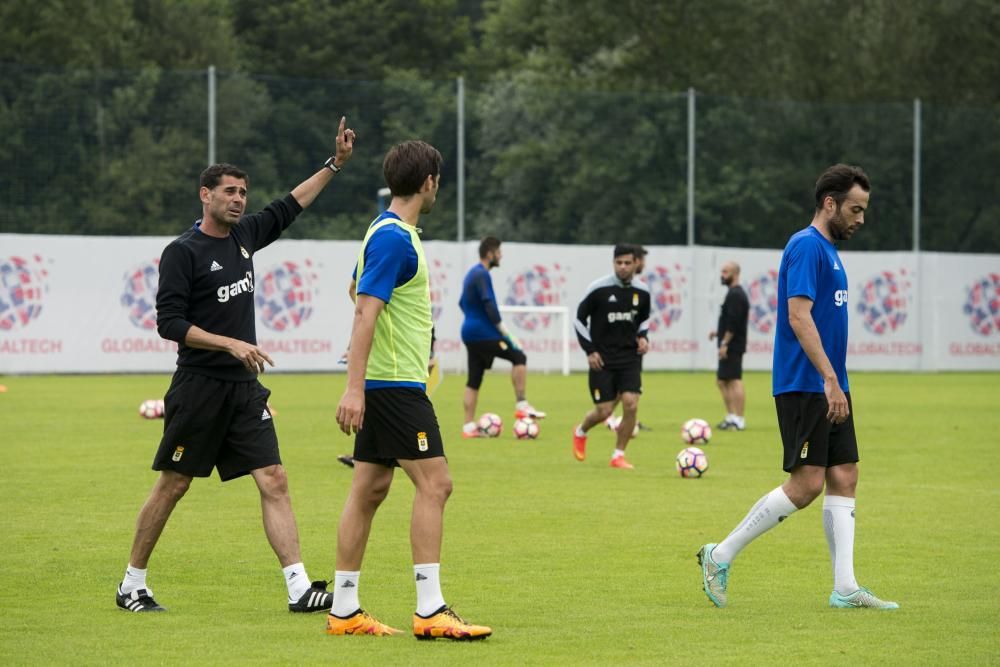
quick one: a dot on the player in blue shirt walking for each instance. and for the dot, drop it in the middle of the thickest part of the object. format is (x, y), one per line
(486, 338)
(811, 394)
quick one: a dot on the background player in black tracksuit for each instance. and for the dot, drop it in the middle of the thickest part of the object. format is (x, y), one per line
(216, 409)
(732, 335)
(611, 324)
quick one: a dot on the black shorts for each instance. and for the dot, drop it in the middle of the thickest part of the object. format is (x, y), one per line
(399, 424)
(607, 383)
(730, 368)
(808, 437)
(483, 352)
(216, 423)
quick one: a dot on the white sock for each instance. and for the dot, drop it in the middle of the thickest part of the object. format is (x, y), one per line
(471, 427)
(296, 580)
(838, 524)
(429, 598)
(617, 453)
(345, 593)
(767, 513)
(739, 421)
(580, 432)
(521, 405)
(134, 579)
(731, 417)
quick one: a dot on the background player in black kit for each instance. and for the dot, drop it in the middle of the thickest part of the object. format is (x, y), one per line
(611, 325)
(732, 334)
(216, 409)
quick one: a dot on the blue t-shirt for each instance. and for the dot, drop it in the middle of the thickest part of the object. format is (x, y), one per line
(479, 304)
(811, 268)
(390, 261)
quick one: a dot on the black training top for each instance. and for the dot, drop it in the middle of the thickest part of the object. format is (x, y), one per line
(610, 317)
(733, 317)
(209, 282)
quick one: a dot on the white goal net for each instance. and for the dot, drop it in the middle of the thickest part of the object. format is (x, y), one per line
(544, 332)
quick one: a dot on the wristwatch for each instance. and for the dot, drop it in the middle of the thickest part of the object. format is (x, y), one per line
(331, 166)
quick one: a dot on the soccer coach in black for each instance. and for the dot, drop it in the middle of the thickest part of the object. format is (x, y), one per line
(732, 335)
(216, 409)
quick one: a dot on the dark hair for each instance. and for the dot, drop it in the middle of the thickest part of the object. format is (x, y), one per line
(488, 245)
(407, 166)
(624, 249)
(213, 174)
(837, 181)
(640, 252)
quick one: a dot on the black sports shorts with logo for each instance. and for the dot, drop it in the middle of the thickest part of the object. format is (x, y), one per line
(730, 368)
(809, 438)
(481, 354)
(399, 424)
(607, 383)
(216, 423)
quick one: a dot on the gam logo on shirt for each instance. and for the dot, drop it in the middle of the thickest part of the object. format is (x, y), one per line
(139, 294)
(23, 284)
(226, 292)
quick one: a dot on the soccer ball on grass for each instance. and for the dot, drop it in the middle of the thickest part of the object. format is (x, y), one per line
(526, 429)
(613, 421)
(692, 462)
(490, 424)
(151, 408)
(696, 432)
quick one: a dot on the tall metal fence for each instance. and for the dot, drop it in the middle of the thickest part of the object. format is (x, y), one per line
(114, 152)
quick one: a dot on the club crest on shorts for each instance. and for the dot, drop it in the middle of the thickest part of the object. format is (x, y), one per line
(805, 450)
(597, 394)
(178, 453)
(422, 441)
(503, 345)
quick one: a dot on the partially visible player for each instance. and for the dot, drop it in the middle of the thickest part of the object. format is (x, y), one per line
(386, 406)
(612, 323)
(732, 335)
(811, 394)
(486, 338)
(640, 267)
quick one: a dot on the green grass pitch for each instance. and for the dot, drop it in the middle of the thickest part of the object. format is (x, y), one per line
(570, 563)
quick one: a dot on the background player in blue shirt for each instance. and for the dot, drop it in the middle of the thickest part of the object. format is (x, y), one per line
(486, 338)
(811, 394)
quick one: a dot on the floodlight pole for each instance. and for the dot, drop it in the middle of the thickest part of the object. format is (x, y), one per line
(460, 162)
(917, 130)
(690, 189)
(211, 114)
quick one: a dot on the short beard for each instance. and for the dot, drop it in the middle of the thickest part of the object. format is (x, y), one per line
(837, 228)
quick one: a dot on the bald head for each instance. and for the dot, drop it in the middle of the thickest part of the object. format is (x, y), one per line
(730, 274)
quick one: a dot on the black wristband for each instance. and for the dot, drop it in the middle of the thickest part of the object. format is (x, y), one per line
(331, 166)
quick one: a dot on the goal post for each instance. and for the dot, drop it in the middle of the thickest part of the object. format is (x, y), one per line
(525, 323)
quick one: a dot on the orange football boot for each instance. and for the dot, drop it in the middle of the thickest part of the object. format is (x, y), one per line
(446, 624)
(360, 623)
(620, 462)
(579, 445)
